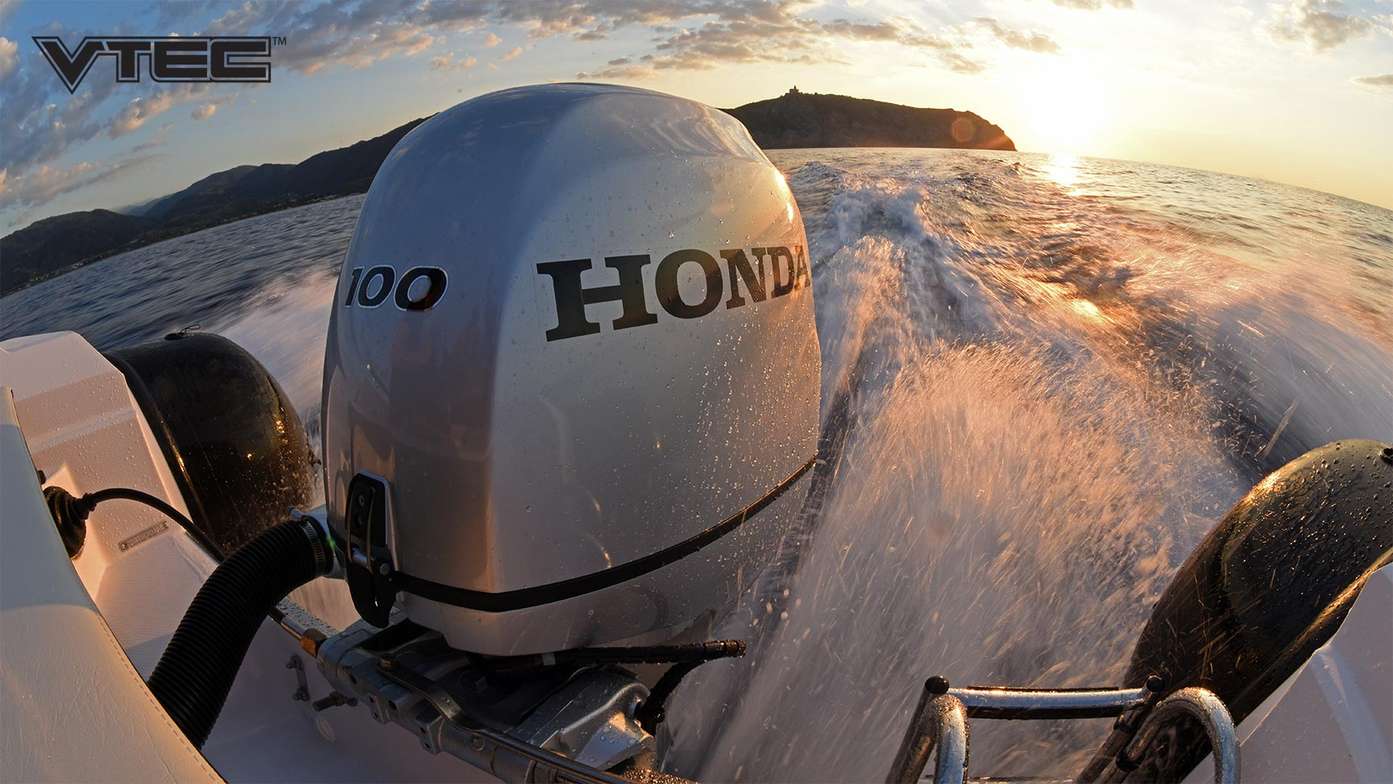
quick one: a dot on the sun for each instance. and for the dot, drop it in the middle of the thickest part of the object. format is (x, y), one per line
(1066, 108)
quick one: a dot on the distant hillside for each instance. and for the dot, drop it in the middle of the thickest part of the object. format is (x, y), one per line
(212, 186)
(813, 120)
(58, 244)
(55, 245)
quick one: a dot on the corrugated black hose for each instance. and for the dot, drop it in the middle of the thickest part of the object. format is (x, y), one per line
(202, 659)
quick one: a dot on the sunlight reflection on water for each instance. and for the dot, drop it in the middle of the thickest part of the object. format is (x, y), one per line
(1063, 169)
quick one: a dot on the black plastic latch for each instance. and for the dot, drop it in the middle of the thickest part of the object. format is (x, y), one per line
(370, 571)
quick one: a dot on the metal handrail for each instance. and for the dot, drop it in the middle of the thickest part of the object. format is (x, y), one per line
(1013, 703)
(1205, 707)
(940, 724)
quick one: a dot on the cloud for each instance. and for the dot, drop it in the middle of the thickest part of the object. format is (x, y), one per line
(38, 124)
(1093, 5)
(156, 139)
(961, 64)
(1321, 24)
(722, 43)
(1381, 82)
(326, 34)
(694, 34)
(171, 14)
(358, 51)
(41, 122)
(448, 62)
(9, 56)
(865, 31)
(732, 38)
(1033, 42)
(138, 111)
(46, 183)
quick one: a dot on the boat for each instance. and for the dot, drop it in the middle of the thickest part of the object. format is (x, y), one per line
(570, 411)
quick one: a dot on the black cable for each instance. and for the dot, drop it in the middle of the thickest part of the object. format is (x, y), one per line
(653, 710)
(70, 515)
(698, 653)
(128, 494)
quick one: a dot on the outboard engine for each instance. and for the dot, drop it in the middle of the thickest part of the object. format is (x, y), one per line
(572, 375)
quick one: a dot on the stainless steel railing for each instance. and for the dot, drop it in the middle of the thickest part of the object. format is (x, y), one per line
(1202, 705)
(940, 726)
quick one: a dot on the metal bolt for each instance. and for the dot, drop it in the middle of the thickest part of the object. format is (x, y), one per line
(384, 569)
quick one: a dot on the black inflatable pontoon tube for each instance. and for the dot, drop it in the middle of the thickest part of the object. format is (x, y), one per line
(202, 659)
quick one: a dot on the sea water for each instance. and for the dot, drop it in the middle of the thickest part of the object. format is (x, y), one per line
(1049, 377)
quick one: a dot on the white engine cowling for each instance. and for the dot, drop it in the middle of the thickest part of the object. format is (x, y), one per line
(572, 374)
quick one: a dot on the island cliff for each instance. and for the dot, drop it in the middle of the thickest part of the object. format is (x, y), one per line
(798, 119)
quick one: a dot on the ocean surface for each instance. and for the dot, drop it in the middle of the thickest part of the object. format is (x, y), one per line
(1051, 376)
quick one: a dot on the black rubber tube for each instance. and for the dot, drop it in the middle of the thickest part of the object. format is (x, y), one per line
(158, 504)
(201, 661)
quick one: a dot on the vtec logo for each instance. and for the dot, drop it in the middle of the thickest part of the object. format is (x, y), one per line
(168, 58)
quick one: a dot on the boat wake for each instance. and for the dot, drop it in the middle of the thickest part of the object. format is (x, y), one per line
(1028, 423)
(1044, 379)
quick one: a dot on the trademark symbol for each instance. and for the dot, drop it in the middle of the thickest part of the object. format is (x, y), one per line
(278, 40)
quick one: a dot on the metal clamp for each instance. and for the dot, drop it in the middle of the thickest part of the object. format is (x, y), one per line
(369, 568)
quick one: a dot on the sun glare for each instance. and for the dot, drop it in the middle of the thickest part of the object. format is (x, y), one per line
(1063, 169)
(1066, 108)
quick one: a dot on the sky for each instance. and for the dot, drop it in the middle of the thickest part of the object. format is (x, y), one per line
(1294, 91)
